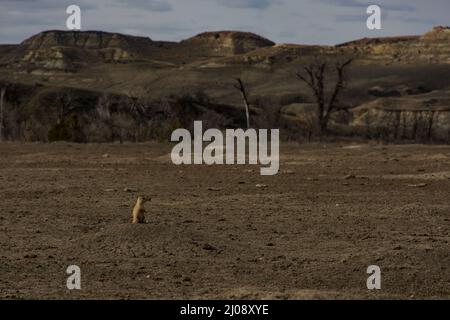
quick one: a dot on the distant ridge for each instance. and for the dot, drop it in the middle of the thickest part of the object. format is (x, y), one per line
(381, 40)
(438, 33)
(70, 51)
(229, 42)
(83, 39)
(236, 42)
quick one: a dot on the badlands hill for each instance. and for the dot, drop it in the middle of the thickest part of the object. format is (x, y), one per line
(68, 51)
(227, 42)
(91, 64)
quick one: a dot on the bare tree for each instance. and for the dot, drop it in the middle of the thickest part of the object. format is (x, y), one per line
(310, 122)
(240, 86)
(397, 119)
(430, 123)
(415, 125)
(65, 100)
(103, 107)
(315, 76)
(2, 112)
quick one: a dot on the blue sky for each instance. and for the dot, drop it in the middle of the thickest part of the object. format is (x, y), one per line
(283, 21)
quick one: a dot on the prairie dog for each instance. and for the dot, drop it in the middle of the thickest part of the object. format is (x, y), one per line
(139, 210)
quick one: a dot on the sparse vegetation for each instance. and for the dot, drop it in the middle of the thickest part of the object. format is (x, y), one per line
(139, 90)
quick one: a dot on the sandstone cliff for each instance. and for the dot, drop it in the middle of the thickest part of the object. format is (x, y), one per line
(228, 42)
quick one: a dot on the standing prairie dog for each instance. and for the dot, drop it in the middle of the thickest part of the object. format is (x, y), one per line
(139, 210)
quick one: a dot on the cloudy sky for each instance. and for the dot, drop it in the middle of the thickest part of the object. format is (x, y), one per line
(283, 21)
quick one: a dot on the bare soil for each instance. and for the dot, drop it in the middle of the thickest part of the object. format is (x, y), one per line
(332, 211)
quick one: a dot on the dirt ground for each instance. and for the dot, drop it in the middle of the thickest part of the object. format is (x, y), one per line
(311, 233)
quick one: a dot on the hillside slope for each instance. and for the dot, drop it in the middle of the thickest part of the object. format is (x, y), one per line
(208, 64)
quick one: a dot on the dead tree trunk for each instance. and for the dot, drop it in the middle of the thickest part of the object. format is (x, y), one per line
(415, 126)
(430, 125)
(404, 125)
(397, 124)
(2, 113)
(315, 77)
(65, 102)
(240, 86)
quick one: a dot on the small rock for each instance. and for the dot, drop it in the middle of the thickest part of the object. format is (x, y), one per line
(420, 185)
(106, 155)
(365, 237)
(214, 189)
(209, 247)
(262, 186)
(350, 177)
(129, 190)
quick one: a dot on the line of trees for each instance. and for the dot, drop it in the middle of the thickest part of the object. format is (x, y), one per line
(409, 125)
(327, 79)
(316, 76)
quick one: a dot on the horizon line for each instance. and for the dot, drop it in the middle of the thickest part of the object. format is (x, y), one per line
(222, 31)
